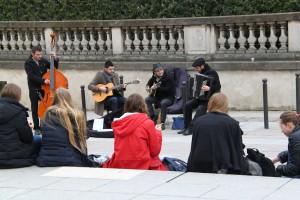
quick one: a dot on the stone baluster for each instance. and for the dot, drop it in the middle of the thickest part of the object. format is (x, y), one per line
(251, 39)
(60, 42)
(20, 41)
(128, 41)
(35, 41)
(180, 40)
(145, 41)
(42, 42)
(283, 39)
(84, 42)
(242, 39)
(162, 41)
(13, 41)
(76, 42)
(69, 42)
(100, 42)
(1, 36)
(27, 41)
(272, 39)
(108, 41)
(136, 42)
(92, 42)
(154, 41)
(5, 42)
(262, 38)
(231, 40)
(171, 41)
(221, 40)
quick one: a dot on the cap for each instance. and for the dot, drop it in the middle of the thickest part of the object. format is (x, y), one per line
(157, 66)
(198, 62)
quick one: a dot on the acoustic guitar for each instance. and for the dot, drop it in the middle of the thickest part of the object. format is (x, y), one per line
(101, 96)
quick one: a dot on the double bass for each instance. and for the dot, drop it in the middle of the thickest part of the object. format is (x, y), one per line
(57, 80)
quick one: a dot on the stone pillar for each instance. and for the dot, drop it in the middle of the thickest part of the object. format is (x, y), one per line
(117, 41)
(196, 39)
(293, 36)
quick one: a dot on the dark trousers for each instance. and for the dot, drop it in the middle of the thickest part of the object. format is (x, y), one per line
(162, 104)
(34, 99)
(114, 103)
(201, 106)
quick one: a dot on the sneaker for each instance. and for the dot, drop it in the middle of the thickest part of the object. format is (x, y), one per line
(37, 132)
(163, 127)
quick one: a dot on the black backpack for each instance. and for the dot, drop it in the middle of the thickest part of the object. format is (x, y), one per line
(267, 166)
(174, 164)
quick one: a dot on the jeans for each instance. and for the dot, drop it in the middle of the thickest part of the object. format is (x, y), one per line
(163, 104)
(114, 103)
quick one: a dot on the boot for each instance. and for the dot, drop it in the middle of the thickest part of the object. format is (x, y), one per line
(187, 132)
(181, 131)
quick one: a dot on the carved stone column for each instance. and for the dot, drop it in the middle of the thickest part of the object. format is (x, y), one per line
(231, 40)
(108, 41)
(272, 39)
(162, 41)
(100, 42)
(241, 40)
(251, 39)
(171, 41)
(262, 38)
(92, 42)
(154, 41)
(180, 40)
(221, 40)
(128, 41)
(283, 39)
(61, 42)
(136, 42)
(84, 42)
(145, 41)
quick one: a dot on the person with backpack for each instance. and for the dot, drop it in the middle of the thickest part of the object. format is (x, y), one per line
(161, 93)
(289, 124)
(204, 69)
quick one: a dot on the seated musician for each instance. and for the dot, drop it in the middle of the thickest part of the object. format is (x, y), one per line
(108, 75)
(202, 68)
(161, 93)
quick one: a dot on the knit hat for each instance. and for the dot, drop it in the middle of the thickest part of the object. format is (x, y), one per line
(198, 62)
(157, 66)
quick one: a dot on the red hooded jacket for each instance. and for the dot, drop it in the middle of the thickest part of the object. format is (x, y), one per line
(137, 143)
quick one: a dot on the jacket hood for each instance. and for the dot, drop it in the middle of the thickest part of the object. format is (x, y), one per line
(9, 108)
(128, 123)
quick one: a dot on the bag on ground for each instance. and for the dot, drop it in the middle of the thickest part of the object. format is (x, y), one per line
(178, 123)
(174, 164)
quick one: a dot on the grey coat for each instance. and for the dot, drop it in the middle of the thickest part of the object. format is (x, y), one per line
(100, 79)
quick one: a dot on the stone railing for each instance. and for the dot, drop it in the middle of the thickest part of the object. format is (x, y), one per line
(209, 35)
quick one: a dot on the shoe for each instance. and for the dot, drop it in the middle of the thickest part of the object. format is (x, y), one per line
(187, 132)
(181, 131)
(37, 132)
(163, 127)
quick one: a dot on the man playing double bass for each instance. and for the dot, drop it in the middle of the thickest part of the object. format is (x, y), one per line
(36, 66)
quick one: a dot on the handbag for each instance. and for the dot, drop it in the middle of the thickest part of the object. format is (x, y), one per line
(174, 164)
(178, 123)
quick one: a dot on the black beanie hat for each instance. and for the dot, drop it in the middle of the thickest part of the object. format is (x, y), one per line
(198, 62)
(157, 66)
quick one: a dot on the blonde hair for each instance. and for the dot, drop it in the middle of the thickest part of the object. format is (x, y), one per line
(289, 116)
(64, 108)
(12, 91)
(218, 103)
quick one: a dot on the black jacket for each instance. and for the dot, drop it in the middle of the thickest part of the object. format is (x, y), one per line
(16, 138)
(166, 90)
(56, 149)
(216, 145)
(216, 85)
(291, 157)
(36, 72)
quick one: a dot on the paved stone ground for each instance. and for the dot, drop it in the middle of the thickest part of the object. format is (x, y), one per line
(95, 183)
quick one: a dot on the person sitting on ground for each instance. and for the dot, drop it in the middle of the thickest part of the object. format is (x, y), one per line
(18, 146)
(217, 141)
(289, 124)
(137, 140)
(161, 93)
(64, 133)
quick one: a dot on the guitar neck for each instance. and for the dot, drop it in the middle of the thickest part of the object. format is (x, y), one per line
(115, 87)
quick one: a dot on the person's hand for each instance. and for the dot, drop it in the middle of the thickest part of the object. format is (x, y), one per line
(30, 123)
(158, 127)
(47, 81)
(102, 89)
(124, 85)
(205, 88)
(275, 160)
(154, 86)
(148, 89)
(52, 53)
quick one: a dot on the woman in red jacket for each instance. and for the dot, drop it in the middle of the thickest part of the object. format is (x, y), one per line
(137, 140)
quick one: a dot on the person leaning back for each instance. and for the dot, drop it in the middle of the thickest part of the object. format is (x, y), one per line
(36, 66)
(116, 100)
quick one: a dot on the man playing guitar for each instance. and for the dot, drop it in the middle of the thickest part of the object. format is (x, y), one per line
(114, 102)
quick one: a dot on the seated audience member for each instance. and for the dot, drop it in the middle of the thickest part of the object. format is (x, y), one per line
(64, 133)
(217, 141)
(18, 146)
(289, 124)
(137, 140)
